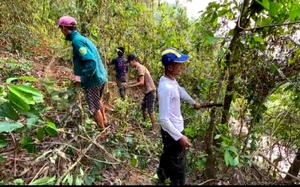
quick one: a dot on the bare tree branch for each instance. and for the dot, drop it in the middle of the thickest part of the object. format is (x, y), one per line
(272, 25)
(271, 163)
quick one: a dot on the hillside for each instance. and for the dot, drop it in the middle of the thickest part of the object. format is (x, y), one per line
(125, 153)
(52, 158)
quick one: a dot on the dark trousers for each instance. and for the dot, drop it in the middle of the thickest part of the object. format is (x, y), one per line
(121, 87)
(122, 91)
(172, 162)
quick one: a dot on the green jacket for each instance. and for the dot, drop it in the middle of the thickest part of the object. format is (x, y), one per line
(87, 61)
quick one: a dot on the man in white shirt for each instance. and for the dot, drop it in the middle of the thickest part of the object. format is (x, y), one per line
(173, 158)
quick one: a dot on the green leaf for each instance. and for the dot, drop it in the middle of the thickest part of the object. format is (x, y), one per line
(273, 68)
(1, 89)
(10, 111)
(222, 12)
(217, 136)
(129, 139)
(289, 87)
(2, 159)
(9, 80)
(18, 182)
(235, 161)
(232, 149)
(21, 105)
(27, 89)
(44, 181)
(68, 178)
(134, 161)
(212, 40)
(215, 23)
(38, 99)
(22, 96)
(51, 129)
(2, 113)
(190, 132)
(214, 19)
(291, 61)
(28, 78)
(258, 39)
(40, 134)
(226, 139)
(230, 15)
(231, 32)
(26, 143)
(26, 140)
(78, 181)
(24, 78)
(9, 126)
(32, 113)
(81, 172)
(31, 148)
(265, 4)
(294, 13)
(274, 9)
(89, 179)
(227, 157)
(31, 121)
(3, 143)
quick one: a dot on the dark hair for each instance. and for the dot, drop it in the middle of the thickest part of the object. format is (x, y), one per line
(120, 51)
(70, 28)
(131, 57)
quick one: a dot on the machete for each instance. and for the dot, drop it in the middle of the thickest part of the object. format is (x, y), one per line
(209, 105)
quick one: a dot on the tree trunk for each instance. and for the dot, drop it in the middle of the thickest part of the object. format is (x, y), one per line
(294, 168)
(210, 162)
(232, 58)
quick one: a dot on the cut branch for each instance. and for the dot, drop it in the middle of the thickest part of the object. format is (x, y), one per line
(78, 160)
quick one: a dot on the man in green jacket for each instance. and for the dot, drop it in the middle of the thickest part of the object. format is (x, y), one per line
(88, 68)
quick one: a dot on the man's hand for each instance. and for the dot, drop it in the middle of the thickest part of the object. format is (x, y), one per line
(184, 142)
(197, 106)
(75, 79)
(124, 84)
(206, 105)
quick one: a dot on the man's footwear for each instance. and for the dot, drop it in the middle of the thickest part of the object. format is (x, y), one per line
(153, 133)
(157, 181)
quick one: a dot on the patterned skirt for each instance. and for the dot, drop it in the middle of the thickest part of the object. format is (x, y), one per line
(93, 96)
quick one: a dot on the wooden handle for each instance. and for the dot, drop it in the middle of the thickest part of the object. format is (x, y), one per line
(211, 105)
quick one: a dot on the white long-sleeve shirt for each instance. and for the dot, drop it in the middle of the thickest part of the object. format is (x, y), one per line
(169, 95)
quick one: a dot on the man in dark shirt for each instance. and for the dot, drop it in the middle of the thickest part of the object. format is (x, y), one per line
(121, 67)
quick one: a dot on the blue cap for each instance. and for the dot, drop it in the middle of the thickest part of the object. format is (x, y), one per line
(170, 55)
